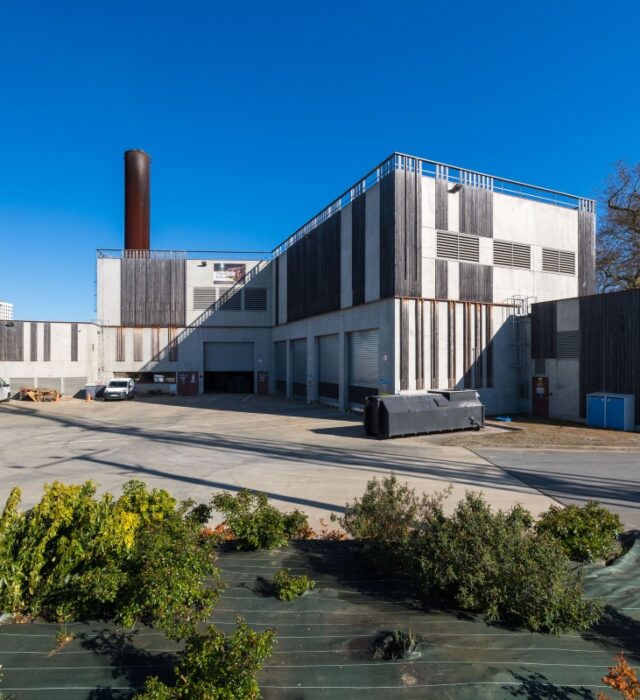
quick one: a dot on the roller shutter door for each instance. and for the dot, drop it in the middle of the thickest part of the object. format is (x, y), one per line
(73, 386)
(299, 369)
(281, 366)
(328, 367)
(228, 357)
(363, 365)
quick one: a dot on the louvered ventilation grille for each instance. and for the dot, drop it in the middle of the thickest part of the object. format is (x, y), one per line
(568, 344)
(511, 254)
(562, 261)
(203, 297)
(457, 247)
(255, 299)
(540, 367)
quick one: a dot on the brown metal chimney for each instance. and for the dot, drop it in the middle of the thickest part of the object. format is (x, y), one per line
(137, 200)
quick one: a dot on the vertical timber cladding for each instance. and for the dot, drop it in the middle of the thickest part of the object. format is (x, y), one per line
(299, 367)
(33, 342)
(435, 345)
(544, 330)
(280, 354)
(478, 354)
(404, 343)
(74, 342)
(357, 249)
(586, 247)
(363, 365)
(609, 339)
(476, 282)
(488, 329)
(313, 271)
(466, 342)
(476, 204)
(442, 201)
(46, 351)
(328, 366)
(451, 344)
(12, 341)
(420, 383)
(401, 234)
(152, 292)
(442, 279)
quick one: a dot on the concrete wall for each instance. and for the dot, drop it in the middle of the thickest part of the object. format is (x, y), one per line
(379, 315)
(52, 373)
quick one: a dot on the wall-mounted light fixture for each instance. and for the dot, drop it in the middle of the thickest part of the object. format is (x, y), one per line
(456, 188)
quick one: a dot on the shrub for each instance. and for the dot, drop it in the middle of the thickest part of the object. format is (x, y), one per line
(586, 533)
(496, 564)
(288, 587)
(215, 666)
(73, 555)
(622, 678)
(385, 520)
(255, 524)
(395, 645)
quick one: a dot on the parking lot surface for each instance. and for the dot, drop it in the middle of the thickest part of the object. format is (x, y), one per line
(610, 477)
(302, 456)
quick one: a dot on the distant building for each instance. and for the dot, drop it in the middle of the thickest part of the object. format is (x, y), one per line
(6, 311)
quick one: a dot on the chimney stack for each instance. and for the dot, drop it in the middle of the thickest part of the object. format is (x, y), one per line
(137, 200)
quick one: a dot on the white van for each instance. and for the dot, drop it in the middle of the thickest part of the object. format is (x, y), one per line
(4, 390)
(118, 389)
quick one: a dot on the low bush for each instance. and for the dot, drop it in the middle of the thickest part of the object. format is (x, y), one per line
(140, 557)
(255, 523)
(493, 563)
(586, 533)
(395, 645)
(215, 666)
(385, 520)
(288, 587)
(496, 564)
(622, 678)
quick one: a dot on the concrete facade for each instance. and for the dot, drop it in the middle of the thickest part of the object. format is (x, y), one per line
(463, 327)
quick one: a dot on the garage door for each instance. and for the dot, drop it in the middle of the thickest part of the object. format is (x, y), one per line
(363, 365)
(228, 357)
(281, 366)
(328, 367)
(299, 369)
(74, 386)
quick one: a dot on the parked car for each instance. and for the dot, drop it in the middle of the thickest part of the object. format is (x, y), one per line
(4, 390)
(118, 389)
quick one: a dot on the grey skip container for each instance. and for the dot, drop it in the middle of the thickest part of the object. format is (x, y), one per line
(415, 414)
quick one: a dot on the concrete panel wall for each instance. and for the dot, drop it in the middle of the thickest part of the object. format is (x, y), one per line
(108, 291)
(568, 315)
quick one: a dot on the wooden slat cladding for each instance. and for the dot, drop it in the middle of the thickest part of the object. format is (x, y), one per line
(442, 279)
(609, 341)
(419, 305)
(46, 351)
(276, 291)
(488, 330)
(476, 204)
(442, 201)
(435, 345)
(33, 342)
(478, 354)
(451, 344)
(401, 234)
(137, 344)
(357, 249)
(586, 247)
(543, 330)
(404, 343)
(120, 344)
(74, 342)
(466, 342)
(476, 283)
(313, 272)
(11, 341)
(153, 292)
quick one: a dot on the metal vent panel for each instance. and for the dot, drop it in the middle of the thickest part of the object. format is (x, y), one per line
(568, 345)
(562, 261)
(540, 367)
(203, 297)
(457, 247)
(233, 303)
(255, 299)
(507, 254)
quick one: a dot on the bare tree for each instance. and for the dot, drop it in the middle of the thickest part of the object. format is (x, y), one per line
(618, 249)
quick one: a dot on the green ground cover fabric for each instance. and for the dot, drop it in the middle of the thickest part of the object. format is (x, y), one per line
(325, 639)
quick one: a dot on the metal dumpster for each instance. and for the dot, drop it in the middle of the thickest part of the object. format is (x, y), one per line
(430, 412)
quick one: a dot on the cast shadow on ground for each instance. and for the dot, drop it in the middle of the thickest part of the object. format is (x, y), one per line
(535, 686)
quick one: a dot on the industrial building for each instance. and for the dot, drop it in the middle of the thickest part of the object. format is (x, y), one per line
(421, 275)
(6, 311)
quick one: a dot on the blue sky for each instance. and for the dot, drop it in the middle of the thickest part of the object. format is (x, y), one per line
(258, 114)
